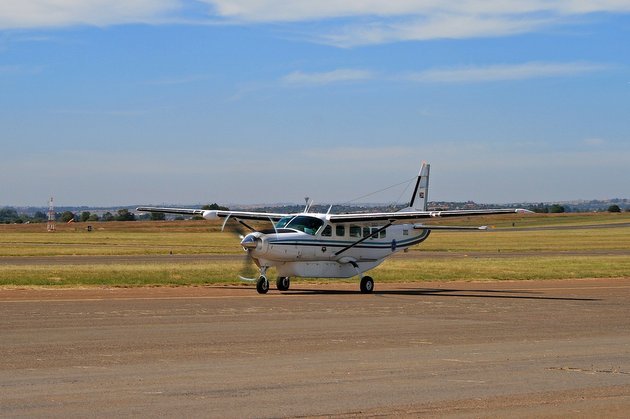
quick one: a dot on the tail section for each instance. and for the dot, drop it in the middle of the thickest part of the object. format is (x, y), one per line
(420, 196)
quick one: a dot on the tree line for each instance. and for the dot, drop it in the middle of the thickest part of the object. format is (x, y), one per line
(558, 209)
(9, 215)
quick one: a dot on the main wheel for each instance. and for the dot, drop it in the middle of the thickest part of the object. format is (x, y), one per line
(262, 285)
(367, 284)
(283, 283)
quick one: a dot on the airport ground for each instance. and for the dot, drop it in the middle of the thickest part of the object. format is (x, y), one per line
(456, 349)
(469, 347)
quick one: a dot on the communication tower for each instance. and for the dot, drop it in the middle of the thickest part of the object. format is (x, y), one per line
(50, 226)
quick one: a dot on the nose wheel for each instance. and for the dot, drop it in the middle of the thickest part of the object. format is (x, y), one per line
(262, 285)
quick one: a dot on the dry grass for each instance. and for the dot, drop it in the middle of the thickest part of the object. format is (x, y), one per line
(202, 237)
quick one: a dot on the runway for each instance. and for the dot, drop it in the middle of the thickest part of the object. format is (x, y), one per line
(528, 348)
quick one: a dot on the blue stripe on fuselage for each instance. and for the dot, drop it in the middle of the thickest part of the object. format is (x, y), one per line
(341, 244)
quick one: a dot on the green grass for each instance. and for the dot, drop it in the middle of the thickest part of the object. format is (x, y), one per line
(120, 275)
(519, 268)
(392, 270)
(115, 239)
(617, 238)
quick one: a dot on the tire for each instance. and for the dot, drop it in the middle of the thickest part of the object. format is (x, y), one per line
(283, 283)
(262, 285)
(367, 284)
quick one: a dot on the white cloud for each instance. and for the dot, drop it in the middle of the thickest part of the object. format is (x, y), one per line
(349, 23)
(470, 74)
(58, 13)
(301, 10)
(383, 21)
(504, 72)
(433, 27)
(335, 76)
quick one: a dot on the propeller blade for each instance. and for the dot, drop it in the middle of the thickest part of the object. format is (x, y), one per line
(248, 272)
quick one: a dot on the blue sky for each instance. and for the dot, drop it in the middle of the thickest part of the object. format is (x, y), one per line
(171, 101)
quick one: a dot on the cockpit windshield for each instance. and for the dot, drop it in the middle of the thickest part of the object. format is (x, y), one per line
(282, 223)
(308, 225)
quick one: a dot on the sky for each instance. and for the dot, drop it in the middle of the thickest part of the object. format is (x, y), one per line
(152, 102)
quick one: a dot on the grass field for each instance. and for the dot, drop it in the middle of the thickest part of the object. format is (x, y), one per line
(530, 250)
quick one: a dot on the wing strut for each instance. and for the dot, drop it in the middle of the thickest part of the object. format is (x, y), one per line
(363, 239)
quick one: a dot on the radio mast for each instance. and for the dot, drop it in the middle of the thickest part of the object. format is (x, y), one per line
(50, 226)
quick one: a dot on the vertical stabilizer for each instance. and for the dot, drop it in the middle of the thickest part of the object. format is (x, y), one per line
(420, 196)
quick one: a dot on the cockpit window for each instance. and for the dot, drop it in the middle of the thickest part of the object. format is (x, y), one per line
(308, 225)
(283, 222)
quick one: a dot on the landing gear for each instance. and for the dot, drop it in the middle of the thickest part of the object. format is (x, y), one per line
(262, 285)
(367, 284)
(283, 283)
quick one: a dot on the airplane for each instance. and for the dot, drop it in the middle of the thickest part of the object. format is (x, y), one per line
(328, 245)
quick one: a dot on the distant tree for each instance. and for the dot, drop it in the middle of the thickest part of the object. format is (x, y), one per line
(93, 217)
(85, 215)
(540, 208)
(158, 216)
(8, 215)
(39, 216)
(556, 209)
(125, 215)
(66, 216)
(614, 208)
(108, 216)
(215, 207)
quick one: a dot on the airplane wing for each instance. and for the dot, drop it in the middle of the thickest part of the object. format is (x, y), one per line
(216, 214)
(418, 215)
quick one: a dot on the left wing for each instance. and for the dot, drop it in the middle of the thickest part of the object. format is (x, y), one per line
(216, 214)
(418, 215)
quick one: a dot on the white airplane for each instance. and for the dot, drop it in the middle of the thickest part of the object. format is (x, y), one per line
(334, 245)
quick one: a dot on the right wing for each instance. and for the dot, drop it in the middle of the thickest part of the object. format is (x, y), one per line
(216, 214)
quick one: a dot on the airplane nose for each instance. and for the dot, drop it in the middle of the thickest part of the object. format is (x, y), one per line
(250, 242)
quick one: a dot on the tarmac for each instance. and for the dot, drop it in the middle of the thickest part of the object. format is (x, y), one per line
(456, 349)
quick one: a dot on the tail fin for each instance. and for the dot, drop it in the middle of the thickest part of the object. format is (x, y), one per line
(420, 196)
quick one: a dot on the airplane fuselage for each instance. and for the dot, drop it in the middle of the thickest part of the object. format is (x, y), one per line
(309, 245)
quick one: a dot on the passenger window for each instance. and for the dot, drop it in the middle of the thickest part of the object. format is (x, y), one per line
(340, 231)
(327, 231)
(366, 231)
(355, 231)
(383, 234)
(375, 232)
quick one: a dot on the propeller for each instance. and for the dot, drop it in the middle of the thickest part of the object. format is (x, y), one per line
(249, 243)
(239, 228)
(248, 272)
